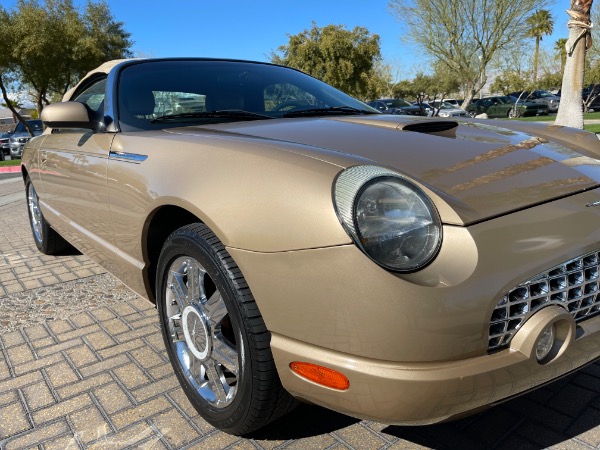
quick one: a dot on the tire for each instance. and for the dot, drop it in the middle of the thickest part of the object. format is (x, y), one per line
(472, 114)
(215, 337)
(512, 114)
(48, 241)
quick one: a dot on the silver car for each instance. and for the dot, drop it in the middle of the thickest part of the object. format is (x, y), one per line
(21, 136)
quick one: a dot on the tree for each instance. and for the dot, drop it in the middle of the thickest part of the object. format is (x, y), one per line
(539, 24)
(429, 88)
(55, 44)
(560, 47)
(510, 81)
(345, 59)
(465, 34)
(570, 110)
(7, 66)
(434, 87)
(550, 81)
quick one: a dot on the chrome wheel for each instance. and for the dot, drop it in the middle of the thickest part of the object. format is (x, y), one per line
(35, 215)
(200, 332)
(216, 339)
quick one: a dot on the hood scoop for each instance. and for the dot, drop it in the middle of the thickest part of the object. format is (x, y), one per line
(445, 128)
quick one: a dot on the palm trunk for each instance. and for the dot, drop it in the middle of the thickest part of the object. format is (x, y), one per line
(535, 60)
(570, 111)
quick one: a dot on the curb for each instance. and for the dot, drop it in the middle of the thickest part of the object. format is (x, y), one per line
(10, 169)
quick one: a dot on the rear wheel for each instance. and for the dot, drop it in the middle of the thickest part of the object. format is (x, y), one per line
(46, 239)
(215, 336)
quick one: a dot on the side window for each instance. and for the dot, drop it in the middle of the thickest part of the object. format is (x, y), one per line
(286, 97)
(93, 96)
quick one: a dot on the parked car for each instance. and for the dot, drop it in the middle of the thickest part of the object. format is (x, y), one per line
(300, 245)
(504, 106)
(21, 136)
(425, 107)
(539, 96)
(454, 102)
(397, 106)
(590, 97)
(4, 145)
(445, 109)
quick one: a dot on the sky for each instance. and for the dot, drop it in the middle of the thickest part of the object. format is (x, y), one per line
(252, 29)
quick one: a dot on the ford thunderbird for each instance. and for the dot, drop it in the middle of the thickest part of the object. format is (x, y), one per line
(301, 246)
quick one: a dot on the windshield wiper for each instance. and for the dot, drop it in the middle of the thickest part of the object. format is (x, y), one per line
(221, 114)
(348, 110)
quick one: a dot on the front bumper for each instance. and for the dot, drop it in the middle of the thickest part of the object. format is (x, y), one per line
(16, 150)
(424, 393)
(415, 346)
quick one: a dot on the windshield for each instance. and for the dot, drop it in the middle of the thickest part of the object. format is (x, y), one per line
(162, 94)
(36, 125)
(444, 105)
(396, 103)
(544, 94)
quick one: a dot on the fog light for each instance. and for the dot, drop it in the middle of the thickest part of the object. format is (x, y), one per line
(545, 343)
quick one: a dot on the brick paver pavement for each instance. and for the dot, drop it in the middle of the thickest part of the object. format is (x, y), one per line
(82, 365)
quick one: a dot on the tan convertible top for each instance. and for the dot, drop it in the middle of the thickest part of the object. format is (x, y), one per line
(104, 68)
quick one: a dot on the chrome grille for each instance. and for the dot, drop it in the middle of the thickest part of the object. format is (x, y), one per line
(572, 285)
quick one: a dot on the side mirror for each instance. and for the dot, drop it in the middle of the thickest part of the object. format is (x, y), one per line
(69, 115)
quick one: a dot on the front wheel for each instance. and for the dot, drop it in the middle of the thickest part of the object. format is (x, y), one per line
(215, 336)
(48, 241)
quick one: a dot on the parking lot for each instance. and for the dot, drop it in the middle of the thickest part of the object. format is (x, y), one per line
(82, 365)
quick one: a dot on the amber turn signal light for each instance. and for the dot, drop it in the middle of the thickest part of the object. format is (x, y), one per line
(320, 375)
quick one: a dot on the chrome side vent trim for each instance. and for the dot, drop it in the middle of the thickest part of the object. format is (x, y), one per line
(128, 157)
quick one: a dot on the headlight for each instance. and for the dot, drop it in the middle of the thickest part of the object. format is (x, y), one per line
(390, 219)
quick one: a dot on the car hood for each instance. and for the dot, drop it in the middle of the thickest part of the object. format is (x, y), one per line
(479, 169)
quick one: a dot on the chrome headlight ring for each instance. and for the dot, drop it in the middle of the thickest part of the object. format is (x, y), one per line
(388, 217)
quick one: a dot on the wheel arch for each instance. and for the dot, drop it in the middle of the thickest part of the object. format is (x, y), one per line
(24, 173)
(161, 223)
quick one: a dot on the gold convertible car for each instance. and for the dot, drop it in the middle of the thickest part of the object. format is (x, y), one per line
(299, 245)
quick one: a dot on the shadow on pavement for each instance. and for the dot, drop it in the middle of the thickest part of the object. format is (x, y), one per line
(303, 422)
(549, 416)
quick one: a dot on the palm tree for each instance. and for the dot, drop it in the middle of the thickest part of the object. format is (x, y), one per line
(560, 47)
(570, 111)
(540, 23)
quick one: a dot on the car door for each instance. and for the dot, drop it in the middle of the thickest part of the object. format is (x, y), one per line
(73, 165)
(497, 108)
